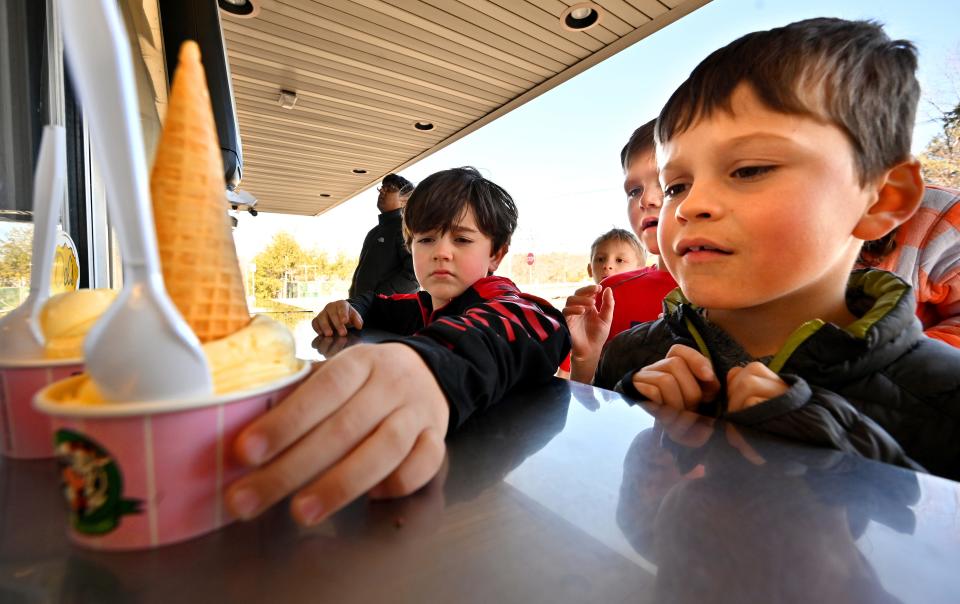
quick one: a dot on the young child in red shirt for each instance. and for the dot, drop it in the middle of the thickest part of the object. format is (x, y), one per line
(596, 313)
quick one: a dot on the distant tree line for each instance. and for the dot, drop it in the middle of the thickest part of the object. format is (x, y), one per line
(284, 260)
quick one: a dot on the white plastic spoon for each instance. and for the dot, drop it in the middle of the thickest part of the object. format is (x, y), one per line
(141, 349)
(21, 338)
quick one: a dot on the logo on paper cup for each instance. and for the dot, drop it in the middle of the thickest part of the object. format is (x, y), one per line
(92, 484)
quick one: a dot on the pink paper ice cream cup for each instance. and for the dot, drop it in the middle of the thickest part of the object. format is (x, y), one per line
(143, 475)
(25, 433)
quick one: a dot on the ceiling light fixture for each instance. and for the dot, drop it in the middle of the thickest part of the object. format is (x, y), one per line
(287, 99)
(359, 171)
(424, 126)
(245, 9)
(581, 17)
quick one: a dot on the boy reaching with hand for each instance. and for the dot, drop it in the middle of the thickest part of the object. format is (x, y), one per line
(373, 419)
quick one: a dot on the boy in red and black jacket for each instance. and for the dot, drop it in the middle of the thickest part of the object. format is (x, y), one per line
(374, 418)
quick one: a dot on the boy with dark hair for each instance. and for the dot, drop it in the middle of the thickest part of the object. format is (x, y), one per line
(779, 156)
(373, 418)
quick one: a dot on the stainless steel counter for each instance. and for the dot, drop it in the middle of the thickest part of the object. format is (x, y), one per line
(562, 494)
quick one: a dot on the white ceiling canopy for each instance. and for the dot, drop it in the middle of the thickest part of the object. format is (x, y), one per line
(331, 95)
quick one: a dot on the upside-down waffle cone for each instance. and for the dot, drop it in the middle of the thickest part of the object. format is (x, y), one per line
(197, 253)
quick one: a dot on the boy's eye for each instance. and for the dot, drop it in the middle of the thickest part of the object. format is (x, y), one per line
(673, 190)
(635, 193)
(425, 239)
(463, 240)
(751, 171)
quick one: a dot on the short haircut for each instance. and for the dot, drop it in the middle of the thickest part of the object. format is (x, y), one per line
(621, 235)
(848, 73)
(641, 141)
(398, 183)
(441, 200)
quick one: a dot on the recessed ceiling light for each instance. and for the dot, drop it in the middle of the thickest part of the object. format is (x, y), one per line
(246, 9)
(423, 126)
(287, 99)
(324, 195)
(359, 171)
(581, 17)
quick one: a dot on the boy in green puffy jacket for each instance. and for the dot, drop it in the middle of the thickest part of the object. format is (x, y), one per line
(779, 156)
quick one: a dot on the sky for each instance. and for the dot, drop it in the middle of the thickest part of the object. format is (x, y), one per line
(558, 155)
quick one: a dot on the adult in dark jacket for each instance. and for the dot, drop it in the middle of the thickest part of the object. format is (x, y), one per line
(386, 266)
(876, 388)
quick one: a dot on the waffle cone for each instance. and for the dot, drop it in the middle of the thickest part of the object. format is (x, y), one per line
(197, 252)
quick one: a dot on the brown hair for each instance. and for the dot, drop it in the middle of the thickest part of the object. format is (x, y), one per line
(641, 141)
(441, 199)
(849, 73)
(621, 235)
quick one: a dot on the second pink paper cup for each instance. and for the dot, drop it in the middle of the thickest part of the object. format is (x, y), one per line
(26, 433)
(143, 475)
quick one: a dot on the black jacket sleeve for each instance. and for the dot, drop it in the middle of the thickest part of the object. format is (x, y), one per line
(402, 279)
(822, 418)
(397, 314)
(494, 346)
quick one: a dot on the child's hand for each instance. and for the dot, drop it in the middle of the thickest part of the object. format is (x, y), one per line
(373, 419)
(752, 384)
(682, 380)
(589, 329)
(336, 317)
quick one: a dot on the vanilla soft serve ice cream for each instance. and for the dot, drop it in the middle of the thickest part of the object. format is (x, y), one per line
(66, 318)
(258, 354)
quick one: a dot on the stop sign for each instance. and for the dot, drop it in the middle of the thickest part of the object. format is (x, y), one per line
(530, 258)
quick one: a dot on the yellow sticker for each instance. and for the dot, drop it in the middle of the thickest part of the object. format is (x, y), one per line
(66, 266)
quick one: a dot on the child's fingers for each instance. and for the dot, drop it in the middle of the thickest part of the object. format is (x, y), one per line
(365, 466)
(662, 384)
(321, 447)
(339, 317)
(752, 385)
(416, 470)
(317, 398)
(321, 324)
(606, 306)
(683, 389)
(355, 319)
(699, 365)
(579, 302)
(587, 291)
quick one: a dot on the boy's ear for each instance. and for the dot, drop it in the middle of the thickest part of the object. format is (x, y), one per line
(901, 189)
(590, 270)
(497, 257)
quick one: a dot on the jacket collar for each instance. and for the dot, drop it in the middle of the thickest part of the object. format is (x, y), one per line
(484, 289)
(824, 353)
(391, 216)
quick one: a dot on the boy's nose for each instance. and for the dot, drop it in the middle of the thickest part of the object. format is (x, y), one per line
(651, 199)
(442, 250)
(698, 206)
